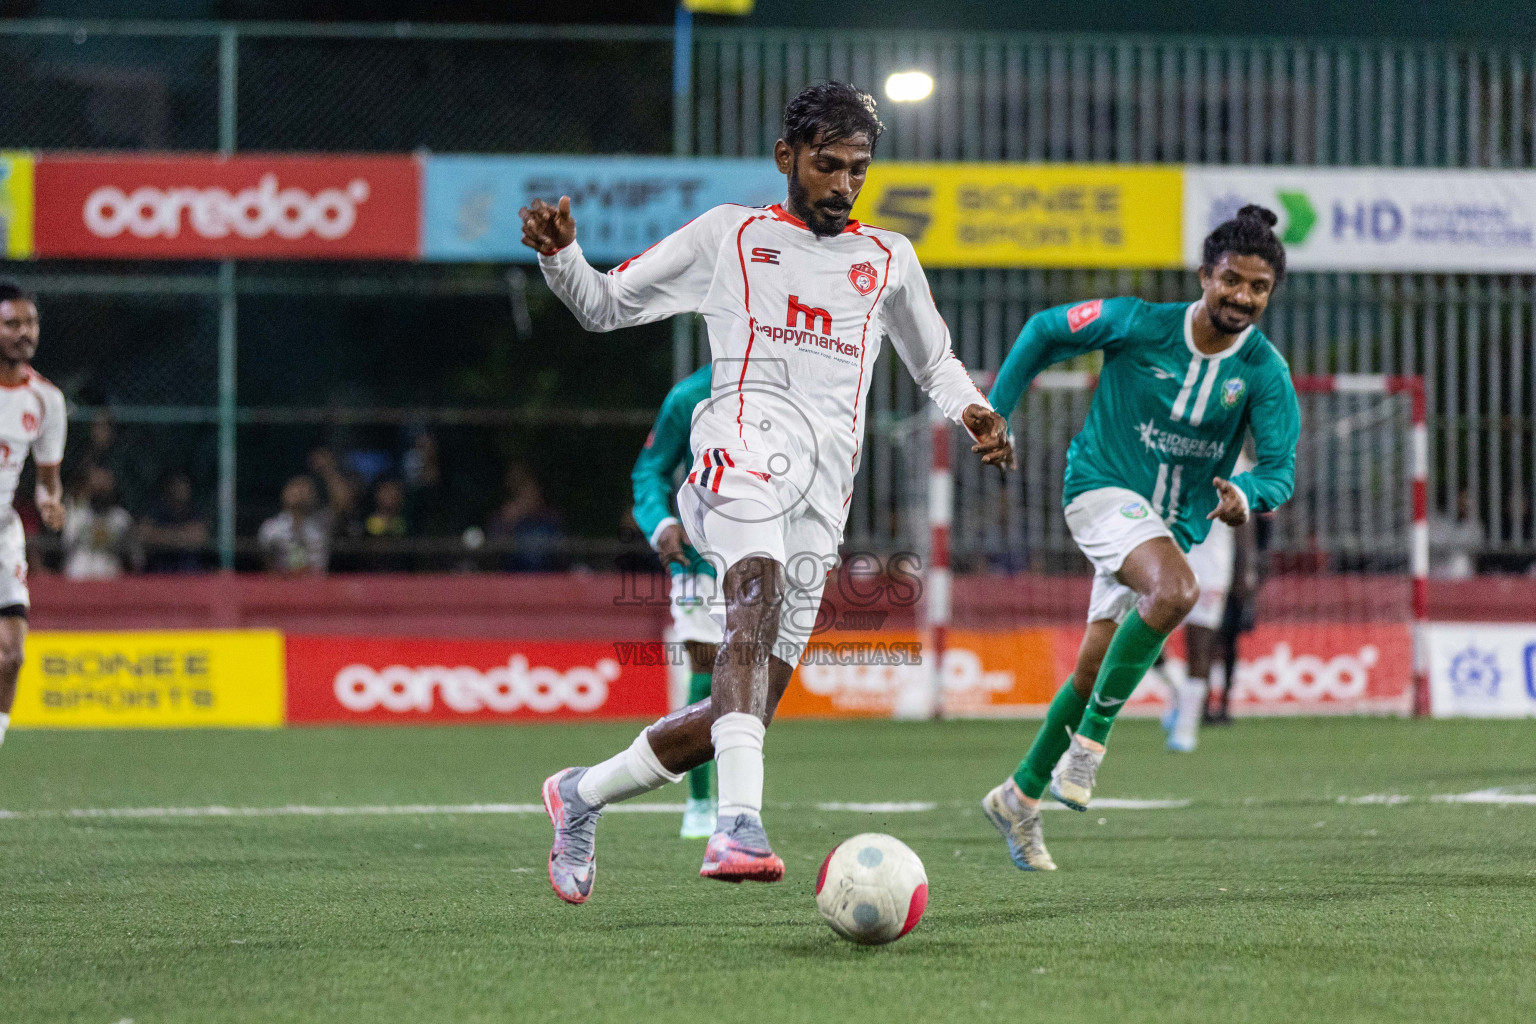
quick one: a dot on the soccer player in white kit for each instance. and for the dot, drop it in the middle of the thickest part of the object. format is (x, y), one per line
(32, 418)
(796, 298)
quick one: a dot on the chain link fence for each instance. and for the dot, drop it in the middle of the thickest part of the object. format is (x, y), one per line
(366, 358)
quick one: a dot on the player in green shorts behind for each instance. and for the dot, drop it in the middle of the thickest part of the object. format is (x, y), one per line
(1180, 387)
(693, 577)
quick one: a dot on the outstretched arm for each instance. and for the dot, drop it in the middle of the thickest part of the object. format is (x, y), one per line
(922, 340)
(1275, 422)
(669, 278)
(1055, 334)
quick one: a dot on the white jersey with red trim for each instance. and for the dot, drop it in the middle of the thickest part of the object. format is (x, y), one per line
(795, 322)
(33, 419)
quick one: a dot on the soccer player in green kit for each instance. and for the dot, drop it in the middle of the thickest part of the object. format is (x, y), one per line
(693, 577)
(1180, 387)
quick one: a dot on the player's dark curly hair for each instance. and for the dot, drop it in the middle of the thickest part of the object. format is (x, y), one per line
(831, 112)
(10, 291)
(1250, 233)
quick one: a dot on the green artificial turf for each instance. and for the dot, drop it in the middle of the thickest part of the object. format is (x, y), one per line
(1271, 897)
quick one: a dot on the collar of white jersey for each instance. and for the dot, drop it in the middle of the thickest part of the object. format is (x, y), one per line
(1189, 336)
(778, 212)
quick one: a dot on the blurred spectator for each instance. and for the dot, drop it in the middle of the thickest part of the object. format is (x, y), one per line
(1454, 544)
(428, 509)
(385, 527)
(337, 490)
(173, 535)
(525, 523)
(98, 532)
(297, 539)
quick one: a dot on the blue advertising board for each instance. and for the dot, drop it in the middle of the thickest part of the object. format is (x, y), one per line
(622, 204)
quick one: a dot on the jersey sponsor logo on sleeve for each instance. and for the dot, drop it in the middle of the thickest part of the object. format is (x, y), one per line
(1232, 392)
(762, 255)
(863, 277)
(1083, 314)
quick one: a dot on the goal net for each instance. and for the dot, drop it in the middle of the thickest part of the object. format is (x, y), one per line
(1341, 565)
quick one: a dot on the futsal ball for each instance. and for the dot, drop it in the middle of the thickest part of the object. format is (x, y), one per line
(872, 889)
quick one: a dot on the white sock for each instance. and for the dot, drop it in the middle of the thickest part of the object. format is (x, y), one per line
(1191, 707)
(627, 774)
(5, 723)
(739, 763)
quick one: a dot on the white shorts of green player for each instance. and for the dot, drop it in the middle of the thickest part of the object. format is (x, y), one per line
(1107, 524)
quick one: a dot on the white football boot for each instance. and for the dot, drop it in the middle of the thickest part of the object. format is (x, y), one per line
(1072, 779)
(1020, 827)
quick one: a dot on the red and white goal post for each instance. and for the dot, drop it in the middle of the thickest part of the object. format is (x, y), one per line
(1340, 610)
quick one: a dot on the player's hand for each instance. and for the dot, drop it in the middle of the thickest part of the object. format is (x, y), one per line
(991, 433)
(548, 228)
(671, 546)
(1231, 509)
(51, 511)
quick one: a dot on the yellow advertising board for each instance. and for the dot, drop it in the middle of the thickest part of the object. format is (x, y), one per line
(1030, 215)
(16, 205)
(152, 680)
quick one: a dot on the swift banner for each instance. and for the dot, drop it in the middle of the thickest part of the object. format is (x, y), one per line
(622, 205)
(151, 680)
(15, 205)
(1482, 670)
(1377, 218)
(207, 207)
(1029, 215)
(388, 680)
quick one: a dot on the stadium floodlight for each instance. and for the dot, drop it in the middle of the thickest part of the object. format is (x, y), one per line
(909, 86)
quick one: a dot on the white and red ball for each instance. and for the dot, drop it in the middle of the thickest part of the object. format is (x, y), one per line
(872, 889)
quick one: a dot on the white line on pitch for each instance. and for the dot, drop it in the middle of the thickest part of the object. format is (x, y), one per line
(377, 810)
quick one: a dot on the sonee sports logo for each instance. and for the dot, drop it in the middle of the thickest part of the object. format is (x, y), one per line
(504, 689)
(762, 255)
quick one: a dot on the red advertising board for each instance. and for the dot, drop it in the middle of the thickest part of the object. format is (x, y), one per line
(208, 207)
(384, 680)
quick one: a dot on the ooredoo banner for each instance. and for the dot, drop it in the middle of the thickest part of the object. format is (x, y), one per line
(381, 680)
(151, 680)
(202, 207)
(1298, 668)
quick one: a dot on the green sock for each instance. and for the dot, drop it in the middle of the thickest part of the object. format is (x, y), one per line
(1050, 742)
(1131, 653)
(698, 778)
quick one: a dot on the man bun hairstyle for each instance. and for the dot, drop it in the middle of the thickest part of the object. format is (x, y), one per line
(1250, 233)
(831, 112)
(10, 291)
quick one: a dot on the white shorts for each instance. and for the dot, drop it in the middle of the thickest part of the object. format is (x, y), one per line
(1108, 523)
(732, 509)
(1212, 561)
(692, 596)
(13, 563)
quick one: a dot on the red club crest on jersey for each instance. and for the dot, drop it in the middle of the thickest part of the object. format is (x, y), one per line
(1083, 314)
(863, 277)
(28, 422)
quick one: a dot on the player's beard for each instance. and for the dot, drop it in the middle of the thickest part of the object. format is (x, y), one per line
(823, 223)
(1230, 320)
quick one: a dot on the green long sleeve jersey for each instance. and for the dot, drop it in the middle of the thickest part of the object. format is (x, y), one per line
(1165, 418)
(666, 449)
